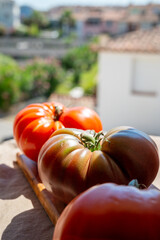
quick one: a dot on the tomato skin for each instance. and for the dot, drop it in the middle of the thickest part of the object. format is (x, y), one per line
(110, 211)
(81, 118)
(67, 167)
(122, 145)
(34, 124)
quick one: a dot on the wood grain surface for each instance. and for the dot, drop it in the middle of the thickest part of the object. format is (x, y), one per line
(52, 207)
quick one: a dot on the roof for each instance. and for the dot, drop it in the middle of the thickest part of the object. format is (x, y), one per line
(144, 41)
(143, 18)
(114, 15)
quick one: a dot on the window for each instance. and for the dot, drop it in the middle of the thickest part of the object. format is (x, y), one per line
(93, 21)
(109, 23)
(146, 25)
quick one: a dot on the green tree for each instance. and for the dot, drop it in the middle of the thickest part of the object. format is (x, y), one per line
(2, 30)
(41, 77)
(37, 18)
(79, 60)
(10, 76)
(88, 80)
(33, 30)
(67, 22)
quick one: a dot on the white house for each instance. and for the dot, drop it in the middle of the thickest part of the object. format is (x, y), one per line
(129, 81)
(9, 14)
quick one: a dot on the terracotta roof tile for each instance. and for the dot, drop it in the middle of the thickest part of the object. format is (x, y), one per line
(146, 41)
(115, 15)
(142, 18)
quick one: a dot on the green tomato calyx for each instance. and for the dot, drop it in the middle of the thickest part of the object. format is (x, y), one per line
(92, 140)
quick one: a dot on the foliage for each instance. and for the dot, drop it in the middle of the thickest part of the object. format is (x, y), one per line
(67, 18)
(65, 86)
(79, 60)
(88, 80)
(33, 30)
(37, 18)
(70, 39)
(9, 82)
(67, 22)
(41, 77)
(26, 31)
(38, 78)
(2, 30)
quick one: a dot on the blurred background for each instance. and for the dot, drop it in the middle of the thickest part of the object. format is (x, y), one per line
(100, 54)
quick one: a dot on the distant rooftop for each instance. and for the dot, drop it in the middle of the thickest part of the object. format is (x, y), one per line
(144, 41)
(135, 14)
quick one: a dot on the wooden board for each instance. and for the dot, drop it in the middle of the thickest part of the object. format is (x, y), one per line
(52, 207)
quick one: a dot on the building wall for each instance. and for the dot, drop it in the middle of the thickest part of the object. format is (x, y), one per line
(92, 30)
(9, 14)
(129, 91)
(80, 29)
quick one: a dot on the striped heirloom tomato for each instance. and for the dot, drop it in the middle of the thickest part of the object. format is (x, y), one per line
(73, 160)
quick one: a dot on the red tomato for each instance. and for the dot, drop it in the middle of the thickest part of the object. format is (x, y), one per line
(81, 118)
(35, 123)
(73, 160)
(109, 211)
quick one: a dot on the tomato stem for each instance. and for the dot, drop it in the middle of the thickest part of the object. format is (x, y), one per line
(135, 183)
(91, 140)
(58, 113)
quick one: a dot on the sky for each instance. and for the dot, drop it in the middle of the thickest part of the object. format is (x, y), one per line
(46, 4)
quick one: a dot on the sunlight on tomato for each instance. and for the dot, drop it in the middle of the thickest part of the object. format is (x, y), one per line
(34, 124)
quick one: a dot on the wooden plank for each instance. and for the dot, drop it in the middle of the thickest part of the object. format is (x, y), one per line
(51, 205)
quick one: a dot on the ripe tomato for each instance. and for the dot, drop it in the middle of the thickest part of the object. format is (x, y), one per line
(110, 211)
(34, 124)
(73, 160)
